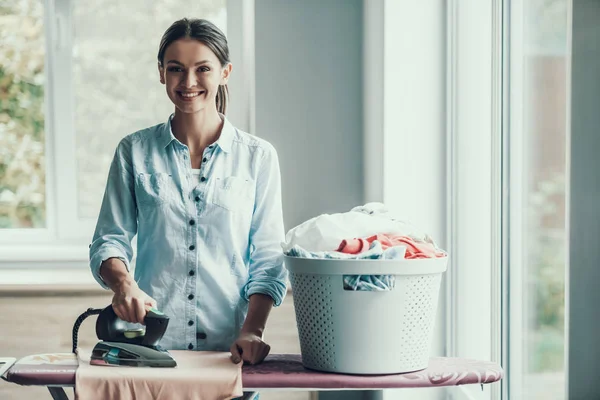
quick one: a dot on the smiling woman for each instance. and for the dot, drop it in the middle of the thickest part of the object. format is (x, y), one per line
(209, 252)
(197, 63)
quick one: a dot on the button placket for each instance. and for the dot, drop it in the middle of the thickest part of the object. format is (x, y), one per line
(193, 259)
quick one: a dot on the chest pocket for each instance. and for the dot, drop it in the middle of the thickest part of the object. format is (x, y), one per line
(154, 189)
(234, 194)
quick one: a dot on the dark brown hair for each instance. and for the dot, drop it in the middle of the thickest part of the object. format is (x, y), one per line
(207, 33)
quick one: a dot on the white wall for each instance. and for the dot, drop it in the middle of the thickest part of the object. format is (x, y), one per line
(309, 102)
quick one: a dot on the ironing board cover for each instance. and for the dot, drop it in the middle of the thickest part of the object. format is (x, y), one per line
(282, 371)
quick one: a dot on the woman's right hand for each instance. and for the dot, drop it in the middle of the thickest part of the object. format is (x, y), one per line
(131, 303)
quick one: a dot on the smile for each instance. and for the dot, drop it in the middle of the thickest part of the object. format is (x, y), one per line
(189, 95)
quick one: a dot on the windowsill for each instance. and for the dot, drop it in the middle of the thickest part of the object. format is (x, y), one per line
(44, 253)
(40, 278)
(45, 281)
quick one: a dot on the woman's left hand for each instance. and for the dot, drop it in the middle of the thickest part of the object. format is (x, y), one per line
(249, 348)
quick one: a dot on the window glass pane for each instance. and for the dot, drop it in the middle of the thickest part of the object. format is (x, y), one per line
(117, 88)
(543, 228)
(22, 81)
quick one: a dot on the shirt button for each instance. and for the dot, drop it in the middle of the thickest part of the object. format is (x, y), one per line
(192, 222)
(202, 179)
(201, 335)
(211, 146)
(192, 247)
(192, 272)
(191, 297)
(190, 346)
(197, 198)
(190, 323)
(204, 159)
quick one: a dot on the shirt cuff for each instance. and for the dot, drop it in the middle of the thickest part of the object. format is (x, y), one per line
(276, 289)
(102, 254)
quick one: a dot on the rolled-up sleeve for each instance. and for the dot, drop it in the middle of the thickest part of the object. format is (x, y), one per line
(117, 222)
(267, 274)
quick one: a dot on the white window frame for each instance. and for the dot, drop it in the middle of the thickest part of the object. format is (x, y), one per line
(469, 48)
(475, 188)
(486, 121)
(66, 236)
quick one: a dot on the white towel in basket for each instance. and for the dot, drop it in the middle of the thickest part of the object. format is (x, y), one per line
(325, 232)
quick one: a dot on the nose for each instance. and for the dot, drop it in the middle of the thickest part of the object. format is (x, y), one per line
(190, 79)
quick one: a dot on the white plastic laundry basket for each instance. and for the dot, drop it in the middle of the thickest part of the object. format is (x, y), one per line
(365, 332)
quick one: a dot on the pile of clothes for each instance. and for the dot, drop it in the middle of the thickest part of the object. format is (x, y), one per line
(365, 232)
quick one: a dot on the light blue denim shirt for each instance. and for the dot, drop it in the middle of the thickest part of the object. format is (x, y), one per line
(204, 246)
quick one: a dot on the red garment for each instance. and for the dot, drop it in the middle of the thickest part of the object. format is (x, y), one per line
(354, 246)
(414, 249)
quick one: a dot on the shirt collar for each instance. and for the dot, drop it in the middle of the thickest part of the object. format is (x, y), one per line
(224, 141)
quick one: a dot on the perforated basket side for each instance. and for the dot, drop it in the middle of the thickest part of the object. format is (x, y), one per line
(333, 324)
(421, 298)
(313, 306)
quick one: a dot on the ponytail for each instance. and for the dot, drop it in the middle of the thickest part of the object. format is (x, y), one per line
(222, 97)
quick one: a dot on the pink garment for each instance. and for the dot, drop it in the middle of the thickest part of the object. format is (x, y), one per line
(199, 375)
(414, 249)
(354, 246)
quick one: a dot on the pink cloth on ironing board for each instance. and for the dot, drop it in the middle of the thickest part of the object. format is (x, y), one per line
(414, 249)
(199, 375)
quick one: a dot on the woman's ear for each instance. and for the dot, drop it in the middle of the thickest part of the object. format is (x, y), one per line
(161, 75)
(225, 74)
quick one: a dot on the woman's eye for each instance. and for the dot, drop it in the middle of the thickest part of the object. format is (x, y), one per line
(174, 69)
(203, 69)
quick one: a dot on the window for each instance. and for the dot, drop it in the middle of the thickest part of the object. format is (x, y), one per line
(537, 112)
(75, 78)
(116, 88)
(507, 121)
(22, 123)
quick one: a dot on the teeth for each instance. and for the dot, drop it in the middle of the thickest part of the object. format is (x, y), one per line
(190, 94)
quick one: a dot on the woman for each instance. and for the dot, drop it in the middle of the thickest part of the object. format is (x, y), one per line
(204, 199)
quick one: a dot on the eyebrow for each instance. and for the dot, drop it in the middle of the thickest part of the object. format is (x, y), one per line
(198, 63)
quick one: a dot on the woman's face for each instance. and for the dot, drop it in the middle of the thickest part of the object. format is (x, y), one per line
(192, 74)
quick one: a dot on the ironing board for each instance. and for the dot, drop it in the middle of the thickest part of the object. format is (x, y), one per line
(282, 372)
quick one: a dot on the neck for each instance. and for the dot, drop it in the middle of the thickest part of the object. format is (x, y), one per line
(197, 130)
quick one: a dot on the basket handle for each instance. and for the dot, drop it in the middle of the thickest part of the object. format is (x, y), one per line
(369, 283)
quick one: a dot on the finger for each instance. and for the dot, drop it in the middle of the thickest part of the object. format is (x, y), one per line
(120, 307)
(266, 351)
(139, 311)
(257, 350)
(261, 352)
(246, 351)
(236, 357)
(119, 312)
(126, 312)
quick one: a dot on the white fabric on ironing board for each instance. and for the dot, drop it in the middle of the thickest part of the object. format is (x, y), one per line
(199, 375)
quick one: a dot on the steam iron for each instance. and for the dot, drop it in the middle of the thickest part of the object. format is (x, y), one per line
(120, 346)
